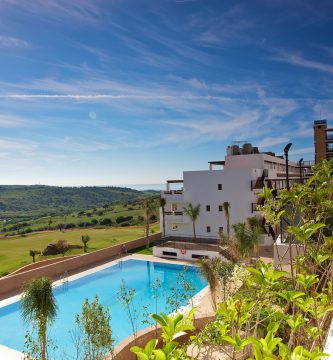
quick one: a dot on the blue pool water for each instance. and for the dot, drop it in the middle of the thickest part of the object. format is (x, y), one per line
(137, 274)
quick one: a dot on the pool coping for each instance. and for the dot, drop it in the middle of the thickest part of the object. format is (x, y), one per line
(12, 354)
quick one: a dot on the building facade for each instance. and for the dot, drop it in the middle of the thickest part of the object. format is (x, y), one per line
(237, 180)
(323, 141)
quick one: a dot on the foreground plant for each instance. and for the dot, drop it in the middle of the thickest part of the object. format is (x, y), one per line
(94, 339)
(38, 307)
(172, 328)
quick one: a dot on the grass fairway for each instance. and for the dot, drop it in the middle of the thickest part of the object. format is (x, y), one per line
(14, 252)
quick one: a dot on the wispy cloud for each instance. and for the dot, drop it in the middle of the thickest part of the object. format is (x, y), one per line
(17, 145)
(11, 121)
(12, 42)
(83, 11)
(271, 141)
(298, 60)
(305, 151)
(233, 24)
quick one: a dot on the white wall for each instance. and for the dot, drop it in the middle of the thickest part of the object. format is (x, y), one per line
(158, 252)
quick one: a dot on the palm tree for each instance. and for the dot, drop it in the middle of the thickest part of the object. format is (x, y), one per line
(85, 239)
(226, 208)
(162, 205)
(257, 229)
(209, 269)
(193, 213)
(247, 238)
(149, 207)
(38, 305)
(33, 254)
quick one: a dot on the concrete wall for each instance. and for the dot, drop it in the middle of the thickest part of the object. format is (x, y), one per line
(14, 283)
(282, 254)
(122, 350)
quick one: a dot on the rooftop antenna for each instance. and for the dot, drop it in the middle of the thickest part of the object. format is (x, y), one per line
(238, 142)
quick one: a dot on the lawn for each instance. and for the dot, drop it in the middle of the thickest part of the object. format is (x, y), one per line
(14, 252)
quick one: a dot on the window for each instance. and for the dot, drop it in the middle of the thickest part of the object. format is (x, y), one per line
(220, 208)
(169, 253)
(220, 229)
(219, 187)
(199, 256)
(174, 207)
(208, 229)
(207, 207)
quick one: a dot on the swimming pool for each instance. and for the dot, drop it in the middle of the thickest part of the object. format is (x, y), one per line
(137, 274)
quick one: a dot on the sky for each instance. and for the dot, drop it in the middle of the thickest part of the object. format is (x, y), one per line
(110, 92)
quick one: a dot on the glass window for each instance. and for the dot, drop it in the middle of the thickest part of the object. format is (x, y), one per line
(207, 207)
(208, 229)
(220, 208)
(219, 186)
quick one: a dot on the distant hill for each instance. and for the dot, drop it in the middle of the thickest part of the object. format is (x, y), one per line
(24, 202)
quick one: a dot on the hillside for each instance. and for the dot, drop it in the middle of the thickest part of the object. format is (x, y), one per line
(26, 202)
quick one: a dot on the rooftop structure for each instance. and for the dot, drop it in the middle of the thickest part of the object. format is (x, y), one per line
(323, 140)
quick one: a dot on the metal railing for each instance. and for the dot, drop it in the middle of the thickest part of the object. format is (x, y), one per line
(178, 213)
(173, 192)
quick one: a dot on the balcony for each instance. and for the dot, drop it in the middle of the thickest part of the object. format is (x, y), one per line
(173, 195)
(175, 217)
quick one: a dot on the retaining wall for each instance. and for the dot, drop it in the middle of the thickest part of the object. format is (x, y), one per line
(122, 350)
(41, 263)
(13, 283)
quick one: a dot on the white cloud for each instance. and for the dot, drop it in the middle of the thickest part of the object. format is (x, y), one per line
(305, 151)
(12, 42)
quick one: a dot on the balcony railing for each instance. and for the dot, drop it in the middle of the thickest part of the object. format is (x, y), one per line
(173, 192)
(254, 207)
(177, 213)
(257, 184)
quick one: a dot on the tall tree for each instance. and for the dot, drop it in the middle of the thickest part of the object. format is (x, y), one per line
(162, 205)
(149, 207)
(209, 269)
(226, 209)
(85, 239)
(193, 213)
(38, 306)
(33, 254)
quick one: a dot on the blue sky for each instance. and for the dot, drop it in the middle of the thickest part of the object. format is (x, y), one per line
(109, 92)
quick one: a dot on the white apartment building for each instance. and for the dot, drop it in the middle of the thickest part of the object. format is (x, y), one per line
(242, 176)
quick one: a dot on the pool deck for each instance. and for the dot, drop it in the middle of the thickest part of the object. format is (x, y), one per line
(201, 300)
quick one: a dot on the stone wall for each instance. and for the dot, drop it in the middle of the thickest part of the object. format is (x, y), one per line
(13, 283)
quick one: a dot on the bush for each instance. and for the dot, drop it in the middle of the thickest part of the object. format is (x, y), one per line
(153, 218)
(69, 226)
(106, 222)
(125, 223)
(85, 224)
(121, 219)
